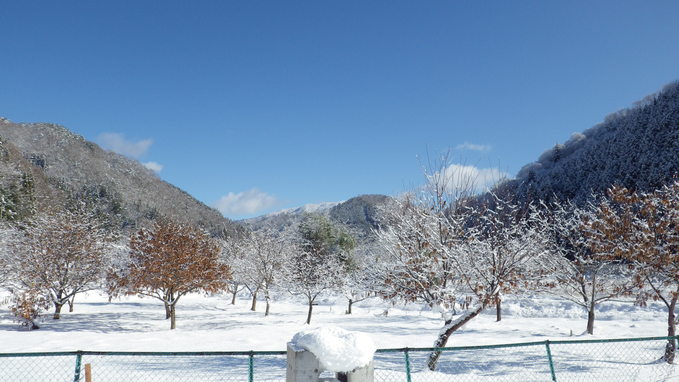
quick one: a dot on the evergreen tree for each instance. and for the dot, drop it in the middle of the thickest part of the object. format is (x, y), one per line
(323, 255)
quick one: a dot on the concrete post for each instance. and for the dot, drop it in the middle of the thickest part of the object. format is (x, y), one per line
(303, 366)
(362, 374)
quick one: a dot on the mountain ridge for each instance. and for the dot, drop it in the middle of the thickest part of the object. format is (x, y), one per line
(636, 147)
(114, 183)
(358, 214)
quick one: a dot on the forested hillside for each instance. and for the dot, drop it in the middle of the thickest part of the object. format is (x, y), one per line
(45, 164)
(360, 215)
(637, 148)
(41, 160)
(20, 185)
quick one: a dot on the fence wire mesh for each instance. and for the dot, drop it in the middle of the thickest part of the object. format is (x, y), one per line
(636, 359)
(38, 367)
(135, 366)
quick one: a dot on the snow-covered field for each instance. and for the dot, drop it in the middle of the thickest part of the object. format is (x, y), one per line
(212, 324)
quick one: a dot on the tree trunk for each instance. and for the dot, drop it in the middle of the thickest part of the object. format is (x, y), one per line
(233, 297)
(671, 348)
(498, 310)
(57, 310)
(351, 302)
(168, 312)
(590, 321)
(253, 307)
(448, 329)
(267, 298)
(308, 316)
(71, 303)
(173, 317)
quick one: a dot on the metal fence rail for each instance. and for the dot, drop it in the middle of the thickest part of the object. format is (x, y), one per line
(630, 359)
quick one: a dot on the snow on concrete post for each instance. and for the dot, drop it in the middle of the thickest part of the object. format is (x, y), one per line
(347, 354)
(303, 366)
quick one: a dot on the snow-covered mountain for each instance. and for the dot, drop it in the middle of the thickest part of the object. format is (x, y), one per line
(43, 164)
(47, 163)
(360, 214)
(307, 208)
(637, 148)
(283, 219)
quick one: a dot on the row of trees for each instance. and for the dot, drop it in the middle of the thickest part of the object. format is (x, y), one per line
(49, 259)
(448, 250)
(442, 246)
(52, 257)
(315, 257)
(439, 246)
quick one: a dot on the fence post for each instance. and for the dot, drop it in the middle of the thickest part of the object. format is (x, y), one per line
(78, 362)
(251, 367)
(88, 372)
(405, 352)
(551, 363)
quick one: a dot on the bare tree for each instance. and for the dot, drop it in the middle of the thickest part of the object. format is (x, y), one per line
(320, 259)
(360, 281)
(61, 253)
(265, 255)
(233, 254)
(501, 251)
(444, 243)
(169, 261)
(643, 230)
(422, 237)
(576, 272)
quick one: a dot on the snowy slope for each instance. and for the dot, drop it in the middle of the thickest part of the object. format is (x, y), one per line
(283, 219)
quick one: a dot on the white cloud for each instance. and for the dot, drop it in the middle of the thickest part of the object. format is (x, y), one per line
(245, 203)
(154, 166)
(116, 142)
(473, 147)
(459, 177)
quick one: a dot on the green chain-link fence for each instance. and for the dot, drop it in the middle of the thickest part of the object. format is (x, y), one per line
(635, 359)
(143, 366)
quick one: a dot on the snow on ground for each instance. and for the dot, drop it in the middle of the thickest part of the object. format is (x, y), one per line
(212, 324)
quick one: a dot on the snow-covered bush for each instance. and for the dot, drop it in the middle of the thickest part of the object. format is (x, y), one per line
(27, 306)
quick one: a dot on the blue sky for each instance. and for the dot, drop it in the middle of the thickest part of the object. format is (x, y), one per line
(265, 105)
